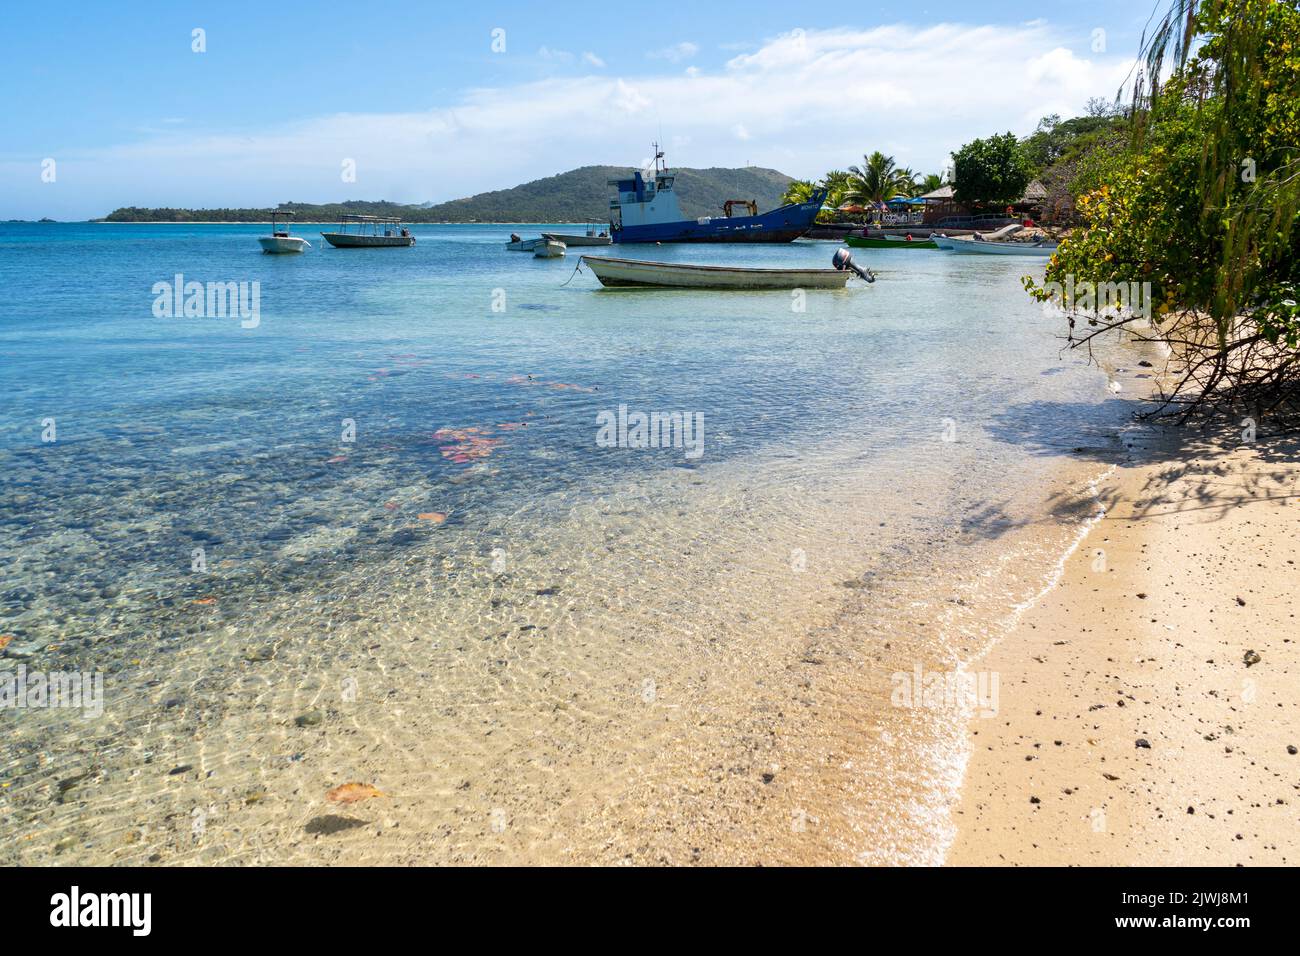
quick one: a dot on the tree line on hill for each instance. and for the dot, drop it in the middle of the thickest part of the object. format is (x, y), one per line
(579, 195)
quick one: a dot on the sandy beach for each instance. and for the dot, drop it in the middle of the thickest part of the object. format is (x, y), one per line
(1148, 710)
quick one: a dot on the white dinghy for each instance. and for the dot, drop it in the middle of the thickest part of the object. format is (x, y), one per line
(549, 249)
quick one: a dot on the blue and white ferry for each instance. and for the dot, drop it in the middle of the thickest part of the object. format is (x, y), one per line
(647, 211)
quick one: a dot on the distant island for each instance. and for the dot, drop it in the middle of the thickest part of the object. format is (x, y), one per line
(579, 195)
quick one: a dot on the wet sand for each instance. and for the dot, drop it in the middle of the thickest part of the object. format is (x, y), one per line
(1131, 727)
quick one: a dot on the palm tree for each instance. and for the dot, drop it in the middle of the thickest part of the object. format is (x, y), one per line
(878, 181)
(929, 183)
(907, 184)
(836, 183)
(799, 190)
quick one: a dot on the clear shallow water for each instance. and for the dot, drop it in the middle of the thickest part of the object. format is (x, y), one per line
(606, 648)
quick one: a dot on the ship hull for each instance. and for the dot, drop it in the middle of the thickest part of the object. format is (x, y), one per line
(780, 225)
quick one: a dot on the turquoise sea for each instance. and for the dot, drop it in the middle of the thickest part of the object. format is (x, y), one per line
(372, 537)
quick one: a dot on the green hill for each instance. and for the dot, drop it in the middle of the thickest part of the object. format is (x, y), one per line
(575, 196)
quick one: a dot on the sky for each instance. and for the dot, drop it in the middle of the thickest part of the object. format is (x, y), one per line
(251, 104)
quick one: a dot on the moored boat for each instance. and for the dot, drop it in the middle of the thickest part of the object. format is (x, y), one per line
(889, 242)
(596, 236)
(279, 241)
(369, 231)
(963, 244)
(633, 273)
(549, 249)
(646, 210)
(522, 245)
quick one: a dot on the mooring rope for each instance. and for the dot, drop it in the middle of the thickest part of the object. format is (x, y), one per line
(576, 270)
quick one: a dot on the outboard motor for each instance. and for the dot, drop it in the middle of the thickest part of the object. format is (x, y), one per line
(843, 259)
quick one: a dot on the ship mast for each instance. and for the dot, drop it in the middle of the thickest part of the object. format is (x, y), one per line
(660, 165)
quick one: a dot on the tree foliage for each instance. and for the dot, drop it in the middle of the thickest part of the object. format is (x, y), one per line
(929, 183)
(990, 172)
(1203, 203)
(799, 190)
(1057, 140)
(878, 180)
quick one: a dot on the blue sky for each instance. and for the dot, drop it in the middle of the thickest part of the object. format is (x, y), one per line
(413, 95)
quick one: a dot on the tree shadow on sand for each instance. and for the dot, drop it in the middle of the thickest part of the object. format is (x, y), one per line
(1214, 468)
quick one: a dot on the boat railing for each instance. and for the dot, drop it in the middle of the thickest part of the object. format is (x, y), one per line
(371, 222)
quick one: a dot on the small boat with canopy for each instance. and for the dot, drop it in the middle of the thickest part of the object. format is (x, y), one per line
(279, 240)
(356, 232)
(597, 235)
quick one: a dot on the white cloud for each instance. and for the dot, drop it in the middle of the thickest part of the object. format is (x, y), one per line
(558, 56)
(804, 104)
(592, 60)
(627, 99)
(675, 53)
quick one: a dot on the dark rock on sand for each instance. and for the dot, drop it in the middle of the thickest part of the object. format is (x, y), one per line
(332, 823)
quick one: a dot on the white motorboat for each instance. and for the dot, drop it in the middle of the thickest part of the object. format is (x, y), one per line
(680, 275)
(963, 244)
(279, 240)
(549, 249)
(522, 245)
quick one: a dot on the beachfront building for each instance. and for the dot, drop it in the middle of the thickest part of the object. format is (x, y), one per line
(941, 204)
(899, 211)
